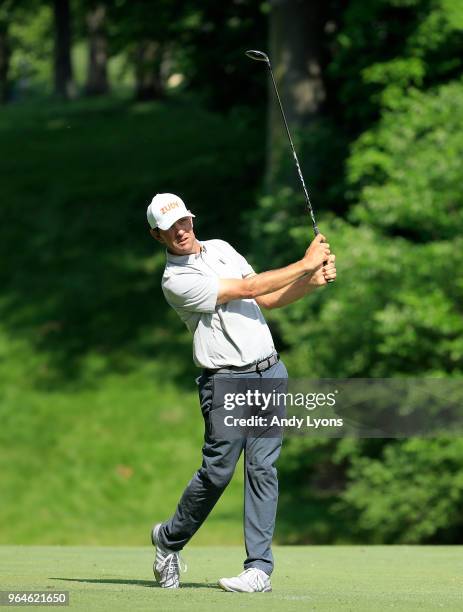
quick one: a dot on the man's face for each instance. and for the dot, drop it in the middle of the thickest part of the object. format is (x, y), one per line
(179, 238)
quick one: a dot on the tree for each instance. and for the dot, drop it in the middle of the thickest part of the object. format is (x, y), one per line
(97, 71)
(6, 11)
(296, 51)
(145, 30)
(64, 83)
(213, 38)
(148, 55)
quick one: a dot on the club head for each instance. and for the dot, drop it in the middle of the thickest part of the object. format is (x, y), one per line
(259, 56)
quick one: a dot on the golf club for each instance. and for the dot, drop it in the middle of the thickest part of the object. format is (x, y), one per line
(260, 56)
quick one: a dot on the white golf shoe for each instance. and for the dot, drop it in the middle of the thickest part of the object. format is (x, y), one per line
(167, 563)
(252, 580)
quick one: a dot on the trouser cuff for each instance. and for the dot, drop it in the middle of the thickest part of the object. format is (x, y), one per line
(265, 567)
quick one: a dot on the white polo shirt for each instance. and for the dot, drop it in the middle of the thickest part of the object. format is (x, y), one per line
(231, 334)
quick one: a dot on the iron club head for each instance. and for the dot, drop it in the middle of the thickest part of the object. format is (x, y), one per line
(259, 56)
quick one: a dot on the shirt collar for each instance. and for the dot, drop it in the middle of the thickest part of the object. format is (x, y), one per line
(186, 259)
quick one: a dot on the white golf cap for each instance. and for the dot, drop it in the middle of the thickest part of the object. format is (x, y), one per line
(165, 209)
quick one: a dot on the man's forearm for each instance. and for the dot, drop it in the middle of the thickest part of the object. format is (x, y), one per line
(276, 280)
(287, 295)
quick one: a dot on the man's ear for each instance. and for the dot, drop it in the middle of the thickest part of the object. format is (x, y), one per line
(156, 234)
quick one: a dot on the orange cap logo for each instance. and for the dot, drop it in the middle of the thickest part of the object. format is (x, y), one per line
(170, 206)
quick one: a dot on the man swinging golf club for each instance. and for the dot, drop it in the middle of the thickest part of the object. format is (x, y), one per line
(218, 296)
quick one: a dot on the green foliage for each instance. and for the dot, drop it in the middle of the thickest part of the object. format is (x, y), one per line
(395, 309)
(413, 493)
(213, 40)
(386, 46)
(96, 381)
(398, 297)
(77, 205)
(408, 170)
(32, 41)
(131, 23)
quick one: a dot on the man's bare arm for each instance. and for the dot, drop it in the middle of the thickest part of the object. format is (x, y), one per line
(299, 288)
(273, 280)
(287, 295)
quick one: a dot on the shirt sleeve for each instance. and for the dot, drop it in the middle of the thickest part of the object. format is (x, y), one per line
(192, 292)
(245, 268)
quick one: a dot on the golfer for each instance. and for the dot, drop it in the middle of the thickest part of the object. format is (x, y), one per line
(218, 296)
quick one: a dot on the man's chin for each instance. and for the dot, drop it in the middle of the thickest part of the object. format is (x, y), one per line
(186, 248)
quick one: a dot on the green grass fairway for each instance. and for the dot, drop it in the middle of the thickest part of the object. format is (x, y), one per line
(370, 578)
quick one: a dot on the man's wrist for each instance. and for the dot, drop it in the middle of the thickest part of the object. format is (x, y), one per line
(306, 267)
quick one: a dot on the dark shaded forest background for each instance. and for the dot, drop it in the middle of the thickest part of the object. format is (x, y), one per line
(104, 104)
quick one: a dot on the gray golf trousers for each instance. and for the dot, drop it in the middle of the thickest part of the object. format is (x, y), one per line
(218, 464)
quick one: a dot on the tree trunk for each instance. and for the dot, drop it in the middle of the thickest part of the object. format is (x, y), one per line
(5, 53)
(64, 84)
(296, 53)
(97, 74)
(148, 62)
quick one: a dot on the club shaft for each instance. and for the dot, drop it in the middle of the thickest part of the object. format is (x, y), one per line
(299, 171)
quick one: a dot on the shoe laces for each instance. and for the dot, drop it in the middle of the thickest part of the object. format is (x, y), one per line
(253, 575)
(173, 563)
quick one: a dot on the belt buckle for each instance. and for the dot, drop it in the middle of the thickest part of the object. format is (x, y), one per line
(264, 365)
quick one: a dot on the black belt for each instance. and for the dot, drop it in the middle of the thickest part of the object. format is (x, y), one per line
(260, 366)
